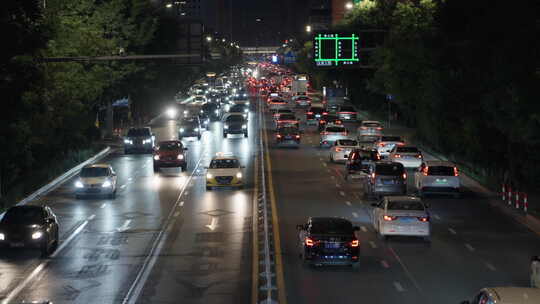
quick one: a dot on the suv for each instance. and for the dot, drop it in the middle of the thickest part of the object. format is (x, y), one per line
(437, 177)
(170, 153)
(386, 178)
(328, 241)
(359, 161)
(235, 124)
(386, 143)
(139, 139)
(288, 136)
(190, 127)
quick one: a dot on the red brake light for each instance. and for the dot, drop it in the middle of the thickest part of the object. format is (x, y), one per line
(378, 156)
(324, 113)
(389, 218)
(344, 133)
(382, 144)
(297, 136)
(338, 149)
(425, 170)
(363, 128)
(456, 173)
(278, 135)
(397, 155)
(322, 121)
(310, 242)
(404, 175)
(373, 175)
(309, 113)
(401, 144)
(355, 243)
(423, 218)
(379, 128)
(419, 155)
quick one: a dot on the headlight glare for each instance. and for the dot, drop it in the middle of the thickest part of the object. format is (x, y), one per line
(244, 126)
(79, 184)
(156, 157)
(225, 127)
(106, 184)
(182, 130)
(239, 175)
(37, 235)
(180, 156)
(208, 175)
(196, 129)
(2, 237)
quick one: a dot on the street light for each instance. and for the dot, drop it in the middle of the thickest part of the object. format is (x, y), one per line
(308, 28)
(349, 5)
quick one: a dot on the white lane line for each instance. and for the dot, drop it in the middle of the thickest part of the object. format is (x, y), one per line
(177, 213)
(103, 206)
(181, 203)
(348, 203)
(20, 287)
(324, 164)
(452, 231)
(490, 266)
(372, 244)
(385, 264)
(471, 248)
(436, 217)
(130, 178)
(363, 228)
(123, 186)
(407, 272)
(341, 193)
(213, 223)
(124, 227)
(355, 214)
(91, 217)
(187, 193)
(398, 287)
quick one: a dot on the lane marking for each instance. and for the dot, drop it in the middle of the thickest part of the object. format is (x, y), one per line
(372, 244)
(187, 193)
(324, 164)
(255, 237)
(385, 264)
(213, 223)
(471, 248)
(407, 272)
(20, 287)
(348, 203)
(341, 193)
(452, 231)
(490, 266)
(177, 213)
(123, 186)
(181, 203)
(355, 214)
(398, 287)
(103, 206)
(363, 228)
(91, 217)
(130, 178)
(124, 227)
(436, 216)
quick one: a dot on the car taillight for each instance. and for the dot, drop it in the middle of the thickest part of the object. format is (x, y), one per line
(401, 144)
(324, 113)
(278, 136)
(310, 242)
(297, 136)
(389, 218)
(456, 173)
(324, 133)
(373, 175)
(425, 171)
(419, 155)
(338, 149)
(355, 243)
(382, 144)
(379, 128)
(310, 113)
(322, 121)
(363, 128)
(423, 218)
(397, 155)
(378, 156)
(404, 175)
(339, 122)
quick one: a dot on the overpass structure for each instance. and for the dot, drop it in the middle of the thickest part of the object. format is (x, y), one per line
(259, 49)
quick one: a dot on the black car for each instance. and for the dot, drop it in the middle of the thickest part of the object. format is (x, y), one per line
(30, 227)
(139, 140)
(190, 127)
(359, 161)
(288, 136)
(329, 119)
(235, 124)
(329, 241)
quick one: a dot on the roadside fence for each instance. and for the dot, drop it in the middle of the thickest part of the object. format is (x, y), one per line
(514, 198)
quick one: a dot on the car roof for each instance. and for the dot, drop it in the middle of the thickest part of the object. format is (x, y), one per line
(98, 165)
(371, 121)
(441, 163)
(403, 198)
(514, 295)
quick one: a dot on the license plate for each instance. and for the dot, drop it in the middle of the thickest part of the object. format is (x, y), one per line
(332, 245)
(441, 181)
(17, 245)
(406, 219)
(388, 181)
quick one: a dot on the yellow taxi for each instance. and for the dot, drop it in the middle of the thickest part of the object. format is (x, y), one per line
(224, 171)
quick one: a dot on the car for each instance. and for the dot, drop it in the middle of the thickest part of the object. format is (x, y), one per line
(401, 215)
(170, 153)
(96, 179)
(224, 171)
(288, 136)
(302, 100)
(437, 177)
(409, 156)
(239, 99)
(347, 113)
(358, 163)
(328, 241)
(341, 149)
(277, 103)
(235, 124)
(30, 226)
(139, 140)
(329, 119)
(386, 143)
(241, 109)
(332, 133)
(313, 115)
(276, 114)
(506, 295)
(287, 119)
(370, 127)
(386, 178)
(190, 127)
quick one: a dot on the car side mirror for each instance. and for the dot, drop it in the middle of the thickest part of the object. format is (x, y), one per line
(300, 227)
(356, 228)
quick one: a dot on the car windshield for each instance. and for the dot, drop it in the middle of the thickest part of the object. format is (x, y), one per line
(371, 124)
(389, 169)
(237, 108)
(331, 226)
(94, 172)
(407, 149)
(224, 163)
(169, 146)
(24, 215)
(235, 118)
(405, 205)
(441, 170)
(302, 98)
(335, 129)
(189, 123)
(138, 132)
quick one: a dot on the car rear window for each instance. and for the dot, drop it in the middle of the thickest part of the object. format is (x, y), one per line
(335, 129)
(287, 116)
(347, 142)
(316, 110)
(371, 124)
(390, 138)
(138, 132)
(441, 170)
(389, 169)
(405, 205)
(407, 149)
(347, 109)
(331, 227)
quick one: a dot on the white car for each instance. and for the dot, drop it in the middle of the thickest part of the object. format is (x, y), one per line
(386, 143)
(370, 127)
(96, 179)
(401, 215)
(408, 156)
(331, 133)
(301, 100)
(435, 176)
(224, 171)
(341, 149)
(347, 113)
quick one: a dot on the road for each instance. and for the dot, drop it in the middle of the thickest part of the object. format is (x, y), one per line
(195, 244)
(473, 245)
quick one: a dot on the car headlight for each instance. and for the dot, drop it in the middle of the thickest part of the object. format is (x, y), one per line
(79, 184)
(2, 237)
(244, 127)
(156, 157)
(180, 156)
(37, 235)
(196, 129)
(216, 111)
(246, 110)
(225, 127)
(185, 112)
(182, 130)
(128, 141)
(106, 184)
(209, 176)
(239, 175)
(171, 112)
(147, 141)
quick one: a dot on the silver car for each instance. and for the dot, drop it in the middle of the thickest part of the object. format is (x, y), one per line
(386, 143)
(370, 127)
(438, 177)
(331, 133)
(386, 178)
(409, 156)
(401, 215)
(96, 179)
